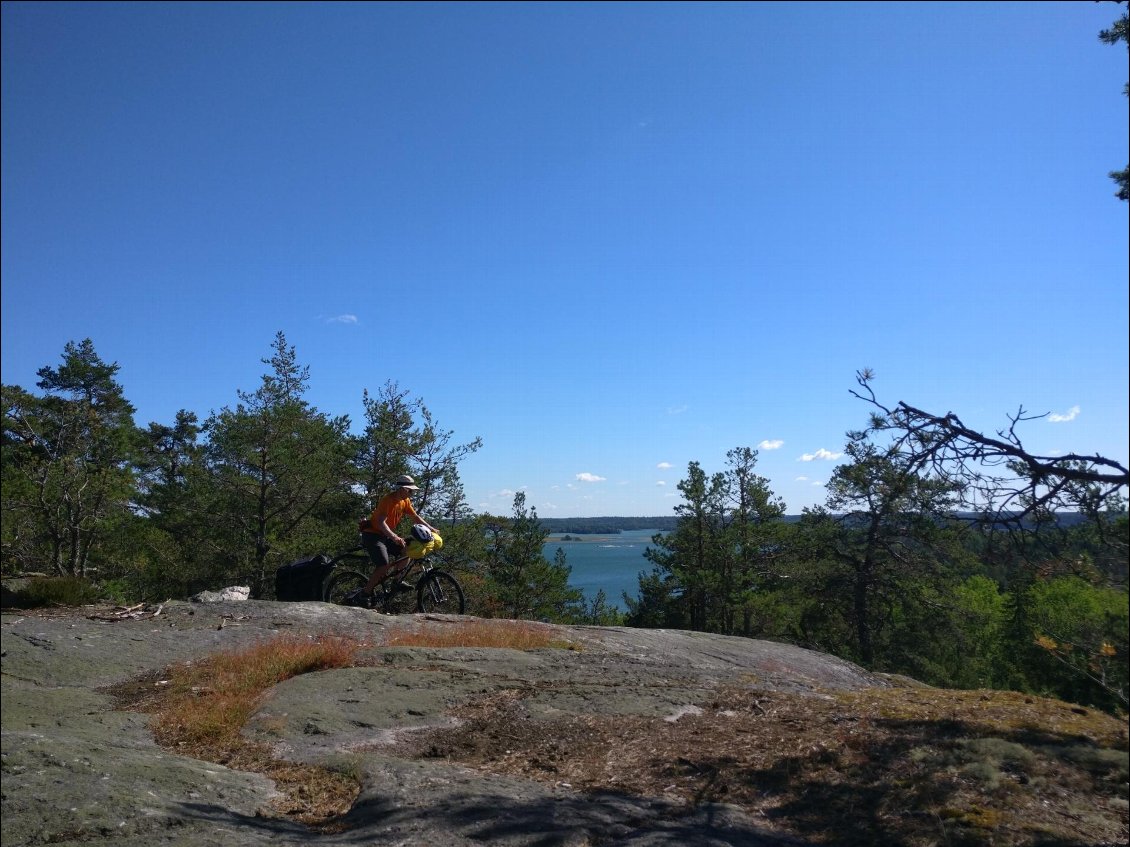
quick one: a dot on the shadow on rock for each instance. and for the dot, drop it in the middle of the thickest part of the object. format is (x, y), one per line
(557, 820)
(220, 817)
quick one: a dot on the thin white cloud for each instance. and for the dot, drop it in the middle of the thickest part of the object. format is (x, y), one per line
(676, 410)
(664, 466)
(342, 319)
(661, 482)
(775, 444)
(802, 479)
(1071, 415)
(549, 505)
(826, 455)
(589, 477)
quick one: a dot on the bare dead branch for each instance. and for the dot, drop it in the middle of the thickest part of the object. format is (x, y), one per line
(997, 474)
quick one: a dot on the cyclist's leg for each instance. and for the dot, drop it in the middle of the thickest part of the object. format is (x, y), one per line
(378, 553)
(401, 567)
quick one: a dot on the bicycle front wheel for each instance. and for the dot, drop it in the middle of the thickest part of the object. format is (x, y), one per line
(439, 592)
(343, 582)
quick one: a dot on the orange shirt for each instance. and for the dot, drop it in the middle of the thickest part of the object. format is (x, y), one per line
(391, 509)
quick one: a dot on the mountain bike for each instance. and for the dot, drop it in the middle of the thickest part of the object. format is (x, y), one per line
(433, 591)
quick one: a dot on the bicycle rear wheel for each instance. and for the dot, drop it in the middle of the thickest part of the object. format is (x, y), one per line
(438, 591)
(358, 562)
(341, 583)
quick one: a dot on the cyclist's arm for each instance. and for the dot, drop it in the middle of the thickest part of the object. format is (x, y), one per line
(381, 527)
(389, 535)
(417, 519)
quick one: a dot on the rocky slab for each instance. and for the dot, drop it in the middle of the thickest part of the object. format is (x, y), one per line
(78, 771)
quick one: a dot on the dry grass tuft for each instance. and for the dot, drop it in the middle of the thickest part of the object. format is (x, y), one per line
(515, 635)
(204, 706)
(200, 708)
(210, 701)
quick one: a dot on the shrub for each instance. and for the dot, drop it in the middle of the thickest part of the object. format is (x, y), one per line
(40, 592)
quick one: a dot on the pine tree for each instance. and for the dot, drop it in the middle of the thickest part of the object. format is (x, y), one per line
(67, 475)
(402, 437)
(277, 475)
(522, 583)
(893, 535)
(708, 571)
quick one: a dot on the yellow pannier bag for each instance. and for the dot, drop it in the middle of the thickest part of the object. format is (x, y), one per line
(418, 549)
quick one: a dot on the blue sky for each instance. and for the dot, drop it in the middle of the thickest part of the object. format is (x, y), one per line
(607, 238)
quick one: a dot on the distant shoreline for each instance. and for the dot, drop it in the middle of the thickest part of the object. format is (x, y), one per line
(589, 537)
(607, 525)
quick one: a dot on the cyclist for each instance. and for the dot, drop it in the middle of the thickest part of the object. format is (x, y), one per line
(386, 549)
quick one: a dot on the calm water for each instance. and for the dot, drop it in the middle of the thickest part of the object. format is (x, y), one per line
(611, 562)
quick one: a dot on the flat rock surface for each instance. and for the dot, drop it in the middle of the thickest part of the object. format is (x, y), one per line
(78, 771)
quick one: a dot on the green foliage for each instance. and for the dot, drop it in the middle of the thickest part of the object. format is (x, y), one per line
(519, 581)
(977, 658)
(888, 576)
(894, 542)
(67, 473)
(687, 556)
(1120, 32)
(402, 437)
(597, 612)
(42, 592)
(710, 569)
(174, 548)
(658, 604)
(860, 583)
(275, 475)
(1083, 628)
(176, 508)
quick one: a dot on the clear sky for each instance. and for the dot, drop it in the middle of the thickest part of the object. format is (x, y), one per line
(608, 238)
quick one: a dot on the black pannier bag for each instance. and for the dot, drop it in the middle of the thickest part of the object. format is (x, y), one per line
(302, 580)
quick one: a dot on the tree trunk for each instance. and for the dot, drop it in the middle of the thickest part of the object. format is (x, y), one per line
(862, 623)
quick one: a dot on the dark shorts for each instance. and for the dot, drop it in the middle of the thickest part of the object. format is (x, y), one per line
(382, 551)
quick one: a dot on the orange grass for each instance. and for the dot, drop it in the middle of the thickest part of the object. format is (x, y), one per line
(515, 635)
(203, 706)
(211, 700)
